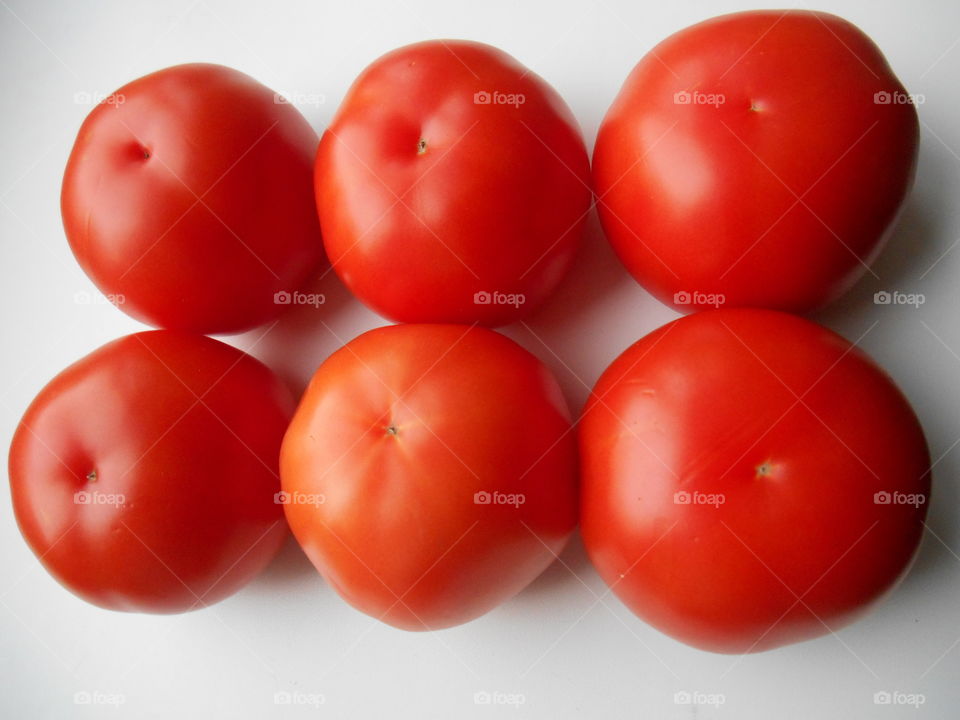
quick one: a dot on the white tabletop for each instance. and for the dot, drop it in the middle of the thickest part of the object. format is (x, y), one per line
(554, 651)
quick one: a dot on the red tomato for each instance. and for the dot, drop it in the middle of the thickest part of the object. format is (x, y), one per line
(144, 475)
(750, 480)
(759, 159)
(430, 472)
(188, 196)
(453, 185)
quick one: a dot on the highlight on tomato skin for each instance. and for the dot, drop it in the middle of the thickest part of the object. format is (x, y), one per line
(429, 473)
(188, 196)
(762, 158)
(453, 185)
(144, 476)
(749, 480)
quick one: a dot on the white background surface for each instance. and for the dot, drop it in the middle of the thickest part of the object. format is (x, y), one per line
(567, 654)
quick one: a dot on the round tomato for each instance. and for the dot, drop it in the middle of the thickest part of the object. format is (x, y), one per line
(750, 479)
(144, 476)
(430, 472)
(756, 159)
(453, 185)
(188, 199)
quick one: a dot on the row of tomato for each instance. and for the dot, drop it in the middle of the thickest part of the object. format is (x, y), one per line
(744, 479)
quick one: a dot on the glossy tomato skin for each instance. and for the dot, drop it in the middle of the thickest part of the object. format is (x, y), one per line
(736, 460)
(430, 472)
(760, 156)
(188, 194)
(144, 475)
(450, 171)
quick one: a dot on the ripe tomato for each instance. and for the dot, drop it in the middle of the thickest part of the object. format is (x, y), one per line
(453, 185)
(189, 194)
(429, 473)
(750, 480)
(144, 475)
(759, 159)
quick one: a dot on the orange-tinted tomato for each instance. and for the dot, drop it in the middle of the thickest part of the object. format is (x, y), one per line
(429, 472)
